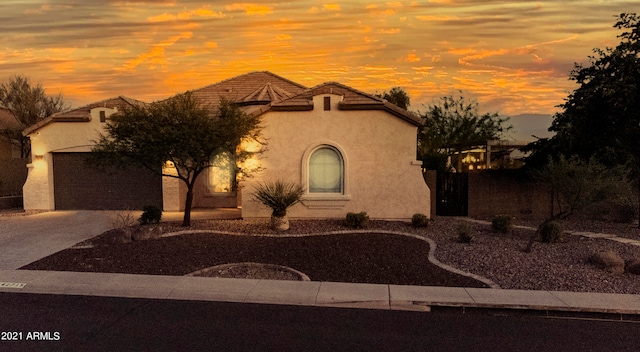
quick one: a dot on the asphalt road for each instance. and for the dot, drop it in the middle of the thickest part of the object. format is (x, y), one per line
(81, 323)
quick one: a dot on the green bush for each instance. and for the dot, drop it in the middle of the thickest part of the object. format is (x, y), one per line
(551, 231)
(419, 220)
(150, 215)
(465, 232)
(357, 220)
(501, 223)
(278, 196)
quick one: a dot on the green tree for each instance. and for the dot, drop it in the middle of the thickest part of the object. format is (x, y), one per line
(179, 131)
(454, 125)
(398, 97)
(28, 104)
(601, 118)
(577, 185)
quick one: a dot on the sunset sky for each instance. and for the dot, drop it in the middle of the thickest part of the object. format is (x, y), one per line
(513, 56)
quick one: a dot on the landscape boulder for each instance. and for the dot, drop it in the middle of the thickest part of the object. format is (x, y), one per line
(633, 267)
(609, 261)
(146, 232)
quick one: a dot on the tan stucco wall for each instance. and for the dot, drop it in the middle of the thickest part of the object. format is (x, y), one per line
(56, 137)
(38, 190)
(382, 176)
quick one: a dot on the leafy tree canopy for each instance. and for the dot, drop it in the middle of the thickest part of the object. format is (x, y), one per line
(453, 125)
(601, 119)
(29, 104)
(179, 131)
(398, 97)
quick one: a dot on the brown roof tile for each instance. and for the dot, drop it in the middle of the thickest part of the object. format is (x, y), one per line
(83, 113)
(254, 88)
(352, 99)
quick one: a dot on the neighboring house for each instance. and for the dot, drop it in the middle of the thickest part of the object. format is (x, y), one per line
(351, 151)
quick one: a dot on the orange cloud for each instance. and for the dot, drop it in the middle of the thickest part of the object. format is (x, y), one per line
(437, 18)
(156, 56)
(412, 57)
(202, 12)
(389, 31)
(332, 7)
(283, 37)
(250, 9)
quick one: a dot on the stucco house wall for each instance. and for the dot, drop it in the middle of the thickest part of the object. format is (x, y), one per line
(62, 136)
(381, 175)
(375, 139)
(75, 131)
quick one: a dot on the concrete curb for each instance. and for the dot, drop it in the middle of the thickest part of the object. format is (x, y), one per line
(323, 294)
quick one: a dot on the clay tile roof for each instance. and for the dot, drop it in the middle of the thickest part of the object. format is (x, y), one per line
(83, 113)
(265, 94)
(352, 99)
(254, 88)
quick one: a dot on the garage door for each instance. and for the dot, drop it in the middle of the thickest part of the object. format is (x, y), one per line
(77, 185)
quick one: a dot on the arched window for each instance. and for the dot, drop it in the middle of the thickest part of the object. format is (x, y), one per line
(326, 171)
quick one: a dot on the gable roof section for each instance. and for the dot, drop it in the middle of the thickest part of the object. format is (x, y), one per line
(254, 88)
(83, 113)
(352, 99)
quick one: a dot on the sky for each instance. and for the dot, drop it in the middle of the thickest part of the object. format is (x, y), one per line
(513, 57)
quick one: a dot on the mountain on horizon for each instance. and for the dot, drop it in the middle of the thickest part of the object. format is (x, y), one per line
(525, 126)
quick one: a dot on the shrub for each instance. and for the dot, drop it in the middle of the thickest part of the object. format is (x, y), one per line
(501, 223)
(550, 231)
(150, 215)
(419, 220)
(357, 220)
(465, 233)
(122, 219)
(278, 195)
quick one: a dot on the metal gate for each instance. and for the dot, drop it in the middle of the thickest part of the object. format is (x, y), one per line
(452, 194)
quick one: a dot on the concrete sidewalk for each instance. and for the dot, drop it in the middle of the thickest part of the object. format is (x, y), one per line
(321, 294)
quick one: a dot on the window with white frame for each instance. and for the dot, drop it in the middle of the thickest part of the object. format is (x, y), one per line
(326, 171)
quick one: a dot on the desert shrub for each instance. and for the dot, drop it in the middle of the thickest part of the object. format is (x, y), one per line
(150, 215)
(465, 232)
(419, 220)
(279, 195)
(357, 220)
(550, 231)
(501, 223)
(120, 219)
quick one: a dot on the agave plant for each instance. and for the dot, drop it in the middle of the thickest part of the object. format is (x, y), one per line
(279, 196)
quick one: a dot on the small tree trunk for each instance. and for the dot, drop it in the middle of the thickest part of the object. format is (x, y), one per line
(187, 206)
(638, 187)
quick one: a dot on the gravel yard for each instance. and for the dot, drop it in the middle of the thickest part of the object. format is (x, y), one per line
(376, 258)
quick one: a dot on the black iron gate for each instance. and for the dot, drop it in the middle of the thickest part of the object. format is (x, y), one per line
(452, 194)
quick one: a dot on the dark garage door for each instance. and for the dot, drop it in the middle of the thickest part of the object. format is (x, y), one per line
(80, 186)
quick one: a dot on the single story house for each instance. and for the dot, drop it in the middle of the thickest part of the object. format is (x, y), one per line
(350, 150)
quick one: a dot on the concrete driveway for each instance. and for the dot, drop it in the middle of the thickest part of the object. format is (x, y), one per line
(25, 239)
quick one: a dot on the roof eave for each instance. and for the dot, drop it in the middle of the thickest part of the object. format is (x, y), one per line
(388, 107)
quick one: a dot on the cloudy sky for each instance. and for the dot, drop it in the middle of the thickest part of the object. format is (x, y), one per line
(513, 56)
